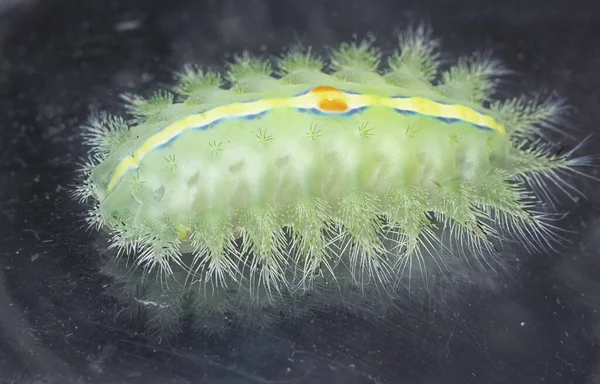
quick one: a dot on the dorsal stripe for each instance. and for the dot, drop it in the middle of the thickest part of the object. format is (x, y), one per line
(322, 100)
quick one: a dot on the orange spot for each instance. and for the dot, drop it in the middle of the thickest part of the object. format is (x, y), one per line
(335, 105)
(330, 99)
(325, 88)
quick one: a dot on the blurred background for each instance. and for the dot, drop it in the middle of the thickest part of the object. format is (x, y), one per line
(61, 60)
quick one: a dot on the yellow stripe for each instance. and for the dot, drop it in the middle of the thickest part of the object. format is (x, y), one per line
(308, 100)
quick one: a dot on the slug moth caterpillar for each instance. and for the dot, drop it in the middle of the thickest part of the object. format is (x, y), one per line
(286, 179)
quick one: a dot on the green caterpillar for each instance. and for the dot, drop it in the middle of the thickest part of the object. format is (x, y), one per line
(340, 172)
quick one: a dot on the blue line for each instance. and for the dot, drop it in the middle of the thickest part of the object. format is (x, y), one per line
(318, 112)
(446, 120)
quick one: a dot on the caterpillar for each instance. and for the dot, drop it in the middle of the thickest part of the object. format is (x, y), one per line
(312, 175)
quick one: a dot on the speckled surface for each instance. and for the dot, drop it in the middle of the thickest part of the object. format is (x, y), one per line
(59, 60)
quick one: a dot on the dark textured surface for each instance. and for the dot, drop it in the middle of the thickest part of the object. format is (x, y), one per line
(62, 59)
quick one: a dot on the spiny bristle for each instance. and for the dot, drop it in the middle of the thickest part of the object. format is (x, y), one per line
(193, 80)
(95, 219)
(356, 56)
(418, 58)
(454, 208)
(528, 117)
(359, 222)
(83, 189)
(103, 133)
(245, 66)
(309, 222)
(251, 74)
(535, 164)
(87, 165)
(212, 242)
(151, 109)
(299, 60)
(263, 238)
(473, 79)
(160, 248)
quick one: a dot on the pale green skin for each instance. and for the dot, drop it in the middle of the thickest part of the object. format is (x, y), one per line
(393, 150)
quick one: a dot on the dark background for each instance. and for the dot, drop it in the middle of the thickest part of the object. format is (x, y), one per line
(60, 60)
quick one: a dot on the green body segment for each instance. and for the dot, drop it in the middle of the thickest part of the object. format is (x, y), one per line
(287, 154)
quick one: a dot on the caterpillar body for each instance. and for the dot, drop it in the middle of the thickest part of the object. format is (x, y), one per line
(311, 172)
